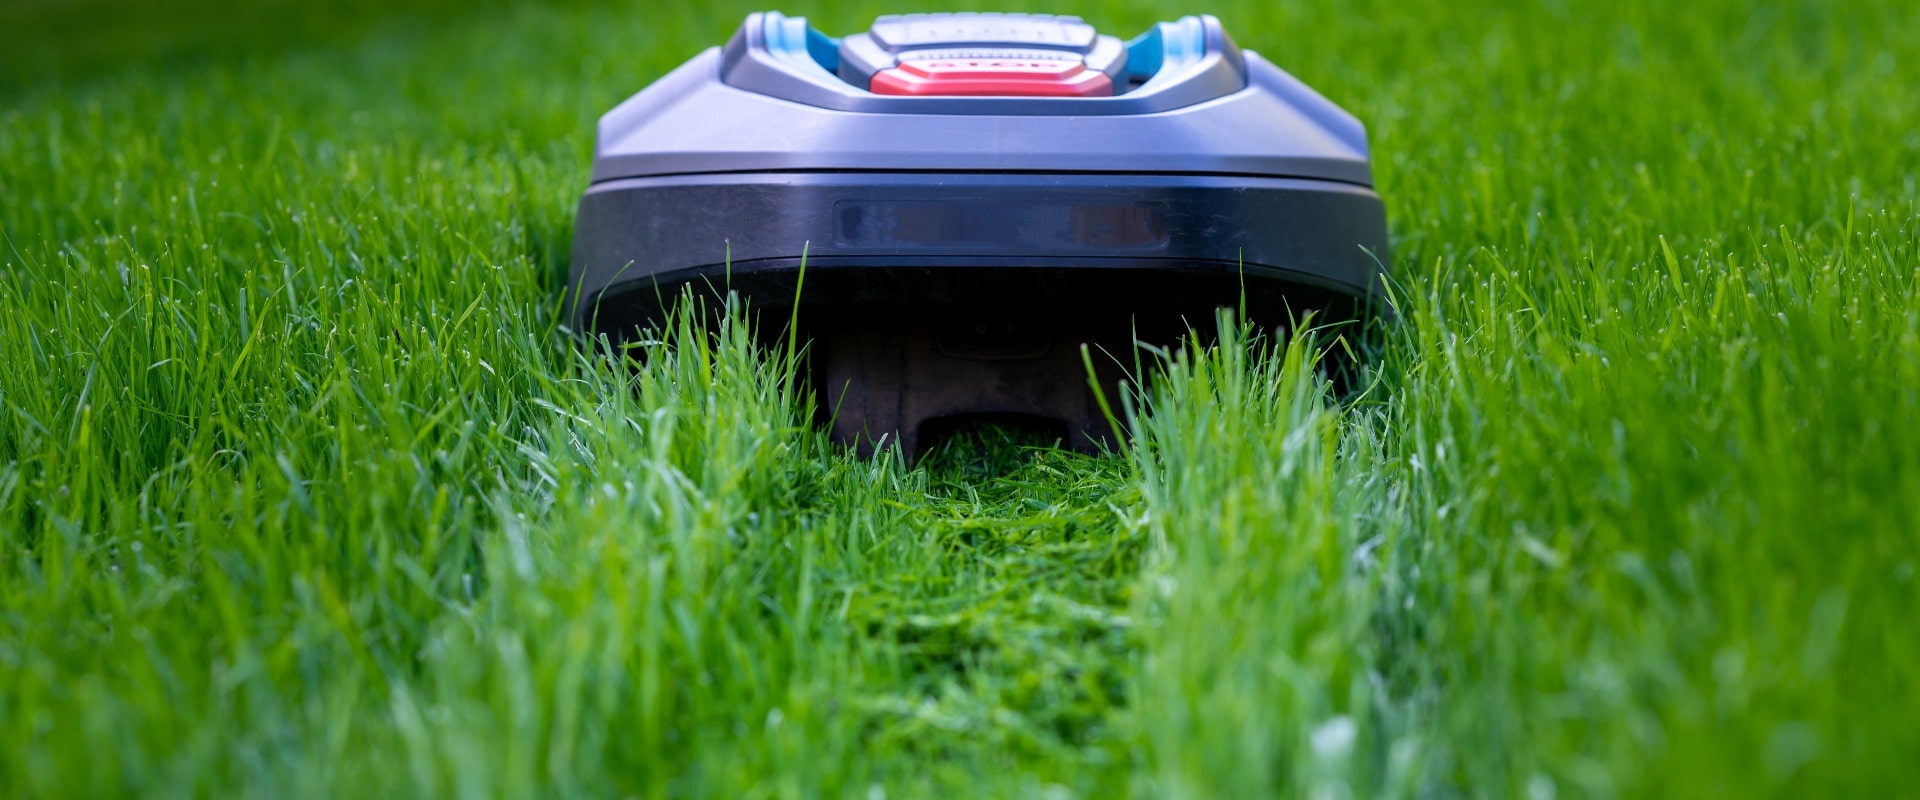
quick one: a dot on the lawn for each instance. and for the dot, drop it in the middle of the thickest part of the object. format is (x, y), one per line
(304, 490)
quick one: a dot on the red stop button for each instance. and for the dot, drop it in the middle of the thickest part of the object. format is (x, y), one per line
(992, 77)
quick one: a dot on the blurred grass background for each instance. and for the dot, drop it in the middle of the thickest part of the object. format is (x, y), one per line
(65, 41)
(303, 490)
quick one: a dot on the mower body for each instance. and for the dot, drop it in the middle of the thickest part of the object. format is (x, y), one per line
(975, 197)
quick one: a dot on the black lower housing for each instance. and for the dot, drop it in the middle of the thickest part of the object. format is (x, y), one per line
(932, 297)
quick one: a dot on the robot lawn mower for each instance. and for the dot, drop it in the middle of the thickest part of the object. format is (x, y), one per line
(975, 197)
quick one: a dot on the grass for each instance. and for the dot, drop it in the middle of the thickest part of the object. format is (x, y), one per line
(303, 492)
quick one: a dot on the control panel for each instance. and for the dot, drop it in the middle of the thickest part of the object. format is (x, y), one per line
(985, 63)
(984, 55)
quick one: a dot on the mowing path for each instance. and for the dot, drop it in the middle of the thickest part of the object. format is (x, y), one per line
(304, 491)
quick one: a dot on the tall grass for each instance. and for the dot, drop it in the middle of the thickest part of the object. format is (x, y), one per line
(1264, 515)
(305, 490)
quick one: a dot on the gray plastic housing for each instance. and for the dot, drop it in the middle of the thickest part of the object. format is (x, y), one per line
(742, 110)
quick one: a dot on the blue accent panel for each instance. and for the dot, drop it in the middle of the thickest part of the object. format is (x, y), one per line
(1185, 41)
(791, 40)
(1144, 54)
(1167, 49)
(825, 50)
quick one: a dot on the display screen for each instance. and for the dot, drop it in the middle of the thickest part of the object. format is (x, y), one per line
(950, 225)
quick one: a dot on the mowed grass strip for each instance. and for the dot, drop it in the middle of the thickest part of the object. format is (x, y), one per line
(304, 488)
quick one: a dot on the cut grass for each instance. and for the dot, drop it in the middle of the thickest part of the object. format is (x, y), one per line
(303, 489)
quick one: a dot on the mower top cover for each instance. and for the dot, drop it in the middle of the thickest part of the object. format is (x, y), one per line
(975, 197)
